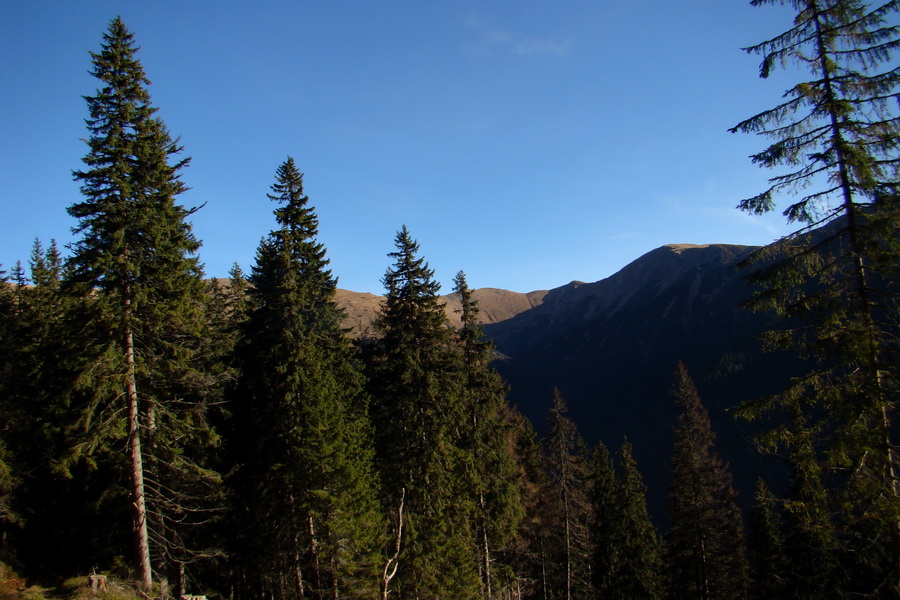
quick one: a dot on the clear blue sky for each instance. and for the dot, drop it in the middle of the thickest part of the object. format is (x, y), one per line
(528, 143)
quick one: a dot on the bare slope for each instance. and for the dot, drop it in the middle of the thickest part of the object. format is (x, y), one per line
(495, 305)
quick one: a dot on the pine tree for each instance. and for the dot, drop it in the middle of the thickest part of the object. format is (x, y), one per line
(706, 558)
(307, 496)
(136, 268)
(418, 411)
(568, 539)
(638, 572)
(493, 486)
(838, 134)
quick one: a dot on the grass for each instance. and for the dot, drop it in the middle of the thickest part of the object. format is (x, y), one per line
(13, 587)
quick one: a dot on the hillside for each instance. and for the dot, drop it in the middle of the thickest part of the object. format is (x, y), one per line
(361, 308)
(611, 347)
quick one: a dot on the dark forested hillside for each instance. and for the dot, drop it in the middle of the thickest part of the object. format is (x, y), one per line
(611, 347)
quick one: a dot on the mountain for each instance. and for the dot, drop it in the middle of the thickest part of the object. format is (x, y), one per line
(612, 346)
(361, 308)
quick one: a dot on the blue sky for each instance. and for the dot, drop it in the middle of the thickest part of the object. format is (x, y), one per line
(529, 143)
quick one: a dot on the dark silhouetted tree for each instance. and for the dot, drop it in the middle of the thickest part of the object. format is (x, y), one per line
(490, 467)
(637, 574)
(837, 135)
(568, 547)
(705, 545)
(768, 560)
(605, 527)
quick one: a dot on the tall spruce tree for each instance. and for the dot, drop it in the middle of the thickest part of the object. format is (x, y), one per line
(810, 541)
(418, 411)
(605, 525)
(638, 572)
(568, 548)
(527, 556)
(706, 555)
(306, 492)
(493, 486)
(768, 558)
(136, 268)
(8, 476)
(838, 135)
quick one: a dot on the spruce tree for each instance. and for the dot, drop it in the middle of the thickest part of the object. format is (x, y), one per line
(637, 575)
(136, 269)
(605, 526)
(307, 499)
(526, 556)
(838, 135)
(493, 485)
(568, 539)
(810, 541)
(706, 557)
(8, 476)
(226, 313)
(768, 558)
(418, 412)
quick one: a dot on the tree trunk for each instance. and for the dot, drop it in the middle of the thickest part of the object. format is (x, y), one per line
(145, 574)
(181, 585)
(390, 566)
(298, 572)
(314, 554)
(485, 548)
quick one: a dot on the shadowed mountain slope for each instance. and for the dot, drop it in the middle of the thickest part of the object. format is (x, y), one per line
(612, 346)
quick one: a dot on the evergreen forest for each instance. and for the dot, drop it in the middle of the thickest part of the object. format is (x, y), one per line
(184, 436)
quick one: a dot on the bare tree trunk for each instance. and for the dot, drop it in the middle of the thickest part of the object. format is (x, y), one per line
(543, 568)
(314, 552)
(145, 573)
(390, 567)
(298, 572)
(485, 548)
(180, 585)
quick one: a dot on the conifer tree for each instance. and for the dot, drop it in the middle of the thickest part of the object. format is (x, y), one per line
(307, 496)
(768, 559)
(135, 267)
(226, 313)
(568, 473)
(706, 557)
(605, 526)
(838, 136)
(637, 574)
(8, 477)
(418, 411)
(809, 533)
(527, 557)
(493, 487)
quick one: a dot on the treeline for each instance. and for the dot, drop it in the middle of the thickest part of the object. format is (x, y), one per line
(230, 439)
